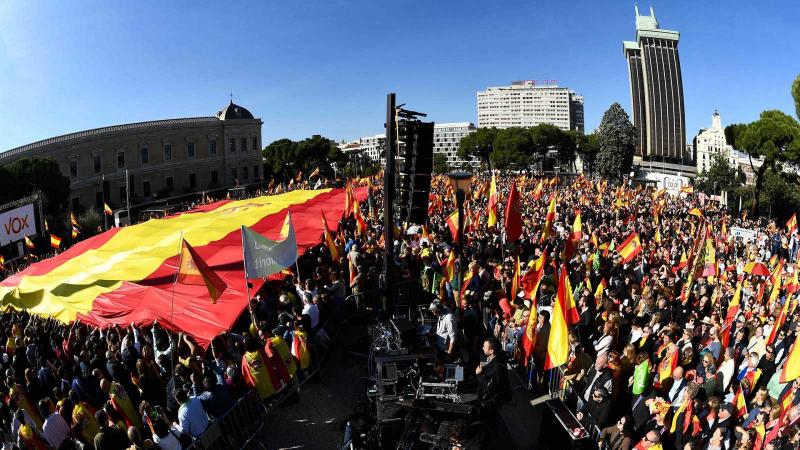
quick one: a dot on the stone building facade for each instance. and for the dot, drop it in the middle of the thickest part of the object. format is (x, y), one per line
(161, 158)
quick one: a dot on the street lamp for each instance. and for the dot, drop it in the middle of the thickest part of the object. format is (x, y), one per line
(460, 182)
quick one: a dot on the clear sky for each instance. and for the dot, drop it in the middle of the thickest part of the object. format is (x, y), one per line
(324, 67)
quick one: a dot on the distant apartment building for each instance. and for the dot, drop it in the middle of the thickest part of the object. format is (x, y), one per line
(530, 103)
(447, 136)
(711, 142)
(372, 147)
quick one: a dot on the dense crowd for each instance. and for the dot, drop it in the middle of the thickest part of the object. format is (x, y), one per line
(77, 386)
(676, 347)
(666, 350)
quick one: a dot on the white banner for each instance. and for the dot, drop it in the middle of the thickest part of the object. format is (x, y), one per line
(743, 233)
(17, 223)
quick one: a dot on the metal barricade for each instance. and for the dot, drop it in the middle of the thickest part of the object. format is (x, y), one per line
(237, 428)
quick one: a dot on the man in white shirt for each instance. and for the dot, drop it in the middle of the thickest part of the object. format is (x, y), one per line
(55, 429)
(446, 328)
(312, 311)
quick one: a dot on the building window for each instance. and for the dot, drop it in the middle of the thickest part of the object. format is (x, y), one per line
(214, 178)
(245, 174)
(145, 155)
(233, 173)
(120, 160)
(243, 145)
(98, 166)
(255, 172)
(255, 144)
(190, 149)
(146, 189)
(192, 180)
(167, 152)
(76, 204)
(232, 145)
(212, 147)
(170, 183)
(98, 200)
(123, 195)
(73, 169)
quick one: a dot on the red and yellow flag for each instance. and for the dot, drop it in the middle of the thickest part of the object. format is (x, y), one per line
(533, 277)
(55, 241)
(791, 369)
(107, 209)
(630, 247)
(329, 241)
(194, 271)
(682, 263)
(733, 310)
(710, 259)
(538, 191)
(361, 224)
(668, 364)
(549, 219)
(29, 243)
(688, 189)
(598, 293)
(780, 320)
(72, 219)
(739, 404)
(494, 201)
(558, 342)
(574, 238)
(792, 223)
(529, 338)
(450, 267)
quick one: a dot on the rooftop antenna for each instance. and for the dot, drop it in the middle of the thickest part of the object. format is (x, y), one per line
(231, 96)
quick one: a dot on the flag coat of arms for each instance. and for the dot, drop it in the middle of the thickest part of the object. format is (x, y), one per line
(263, 256)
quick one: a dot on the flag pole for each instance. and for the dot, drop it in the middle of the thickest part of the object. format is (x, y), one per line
(172, 302)
(244, 263)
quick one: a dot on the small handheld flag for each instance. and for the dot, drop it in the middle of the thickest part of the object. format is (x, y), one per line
(193, 270)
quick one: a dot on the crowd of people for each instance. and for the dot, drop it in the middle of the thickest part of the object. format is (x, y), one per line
(677, 346)
(674, 342)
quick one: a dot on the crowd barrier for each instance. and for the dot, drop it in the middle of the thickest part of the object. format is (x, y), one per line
(237, 428)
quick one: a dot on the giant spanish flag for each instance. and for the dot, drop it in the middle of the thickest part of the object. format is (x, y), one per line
(125, 275)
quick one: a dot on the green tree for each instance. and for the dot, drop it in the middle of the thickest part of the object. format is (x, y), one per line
(284, 157)
(478, 144)
(775, 137)
(720, 176)
(780, 195)
(277, 153)
(89, 221)
(511, 148)
(545, 137)
(796, 95)
(440, 163)
(616, 140)
(25, 176)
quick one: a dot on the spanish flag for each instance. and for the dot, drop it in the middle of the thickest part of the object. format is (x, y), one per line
(792, 223)
(329, 242)
(739, 405)
(494, 201)
(668, 364)
(107, 209)
(462, 294)
(730, 316)
(194, 271)
(55, 241)
(533, 277)
(598, 293)
(574, 238)
(710, 259)
(450, 267)
(791, 369)
(538, 191)
(72, 219)
(360, 222)
(2, 262)
(688, 189)
(558, 342)
(549, 219)
(776, 284)
(75, 232)
(349, 199)
(29, 243)
(780, 320)
(681, 264)
(314, 173)
(630, 247)
(452, 223)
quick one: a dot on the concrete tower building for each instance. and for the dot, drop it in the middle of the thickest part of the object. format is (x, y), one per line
(656, 87)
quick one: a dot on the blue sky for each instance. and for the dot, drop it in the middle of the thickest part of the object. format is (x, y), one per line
(324, 67)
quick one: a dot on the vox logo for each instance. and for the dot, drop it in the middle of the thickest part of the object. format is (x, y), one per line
(16, 224)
